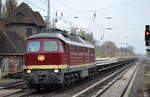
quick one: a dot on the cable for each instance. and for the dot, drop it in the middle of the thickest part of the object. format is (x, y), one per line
(102, 9)
(34, 5)
(117, 5)
(53, 14)
(68, 6)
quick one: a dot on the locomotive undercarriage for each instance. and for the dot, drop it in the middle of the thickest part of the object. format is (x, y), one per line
(43, 77)
(47, 77)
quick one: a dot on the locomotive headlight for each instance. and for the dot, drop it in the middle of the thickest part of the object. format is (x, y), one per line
(56, 70)
(28, 71)
(41, 57)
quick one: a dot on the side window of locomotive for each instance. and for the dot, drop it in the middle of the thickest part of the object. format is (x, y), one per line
(61, 47)
(50, 46)
(33, 46)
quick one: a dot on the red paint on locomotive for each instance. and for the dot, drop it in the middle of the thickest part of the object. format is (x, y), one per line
(72, 55)
(51, 57)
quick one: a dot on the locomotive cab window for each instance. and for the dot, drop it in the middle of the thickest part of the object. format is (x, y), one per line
(50, 46)
(33, 46)
(61, 47)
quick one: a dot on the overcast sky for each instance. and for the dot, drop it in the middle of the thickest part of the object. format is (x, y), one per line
(126, 18)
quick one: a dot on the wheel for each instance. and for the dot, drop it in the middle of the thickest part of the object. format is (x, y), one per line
(67, 81)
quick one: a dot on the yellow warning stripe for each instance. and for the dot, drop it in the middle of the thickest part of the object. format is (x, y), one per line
(53, 66)
(45, 66)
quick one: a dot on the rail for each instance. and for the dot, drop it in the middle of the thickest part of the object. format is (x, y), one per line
(101, 82)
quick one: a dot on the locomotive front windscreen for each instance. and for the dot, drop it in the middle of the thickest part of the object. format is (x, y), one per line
(46, 45)
(34, 46)
(50, 46)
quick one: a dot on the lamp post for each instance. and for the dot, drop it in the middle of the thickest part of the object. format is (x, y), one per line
(103, 33)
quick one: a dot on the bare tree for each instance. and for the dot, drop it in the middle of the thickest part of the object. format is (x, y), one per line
(8, 7)
(109, 48)
(88, 36)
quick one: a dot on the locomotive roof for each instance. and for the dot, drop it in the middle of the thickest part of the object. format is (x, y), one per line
(67, 38)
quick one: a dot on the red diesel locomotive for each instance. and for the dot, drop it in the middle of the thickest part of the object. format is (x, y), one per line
(57, 58)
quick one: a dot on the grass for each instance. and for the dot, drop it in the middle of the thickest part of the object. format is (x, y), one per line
(7, 80)
(5, 74)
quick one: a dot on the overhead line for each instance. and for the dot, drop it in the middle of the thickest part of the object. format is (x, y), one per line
(51, 13)
(68, 6)
(117, 5)
(35, 5)
(106, 8)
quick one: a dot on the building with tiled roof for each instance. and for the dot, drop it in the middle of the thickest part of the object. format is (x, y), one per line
(12, 48)
(25, 21)
(19, 24)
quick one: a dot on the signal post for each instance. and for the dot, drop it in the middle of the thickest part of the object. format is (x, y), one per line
(147, 40)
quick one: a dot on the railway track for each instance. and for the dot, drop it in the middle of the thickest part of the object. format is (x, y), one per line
(108, 87)
(19, 93)
(51, 93)
(11, 88)
(15, 85)
(15, 89)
